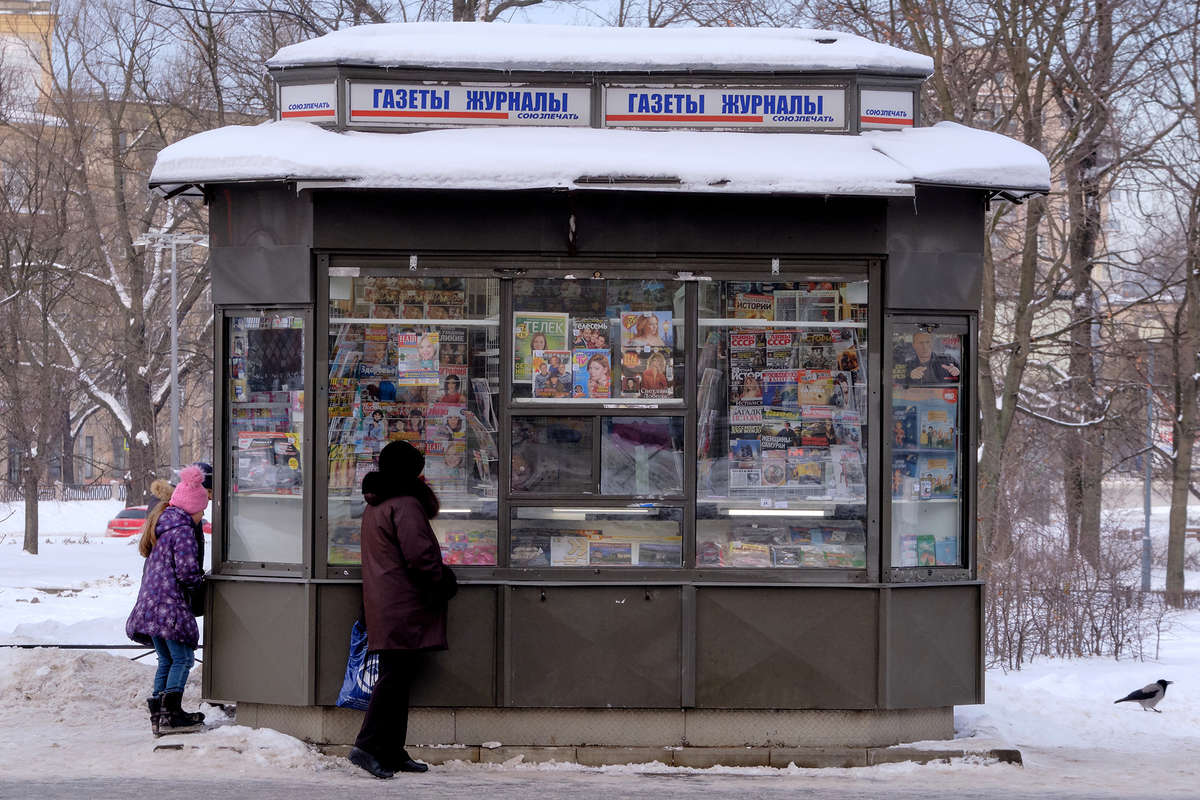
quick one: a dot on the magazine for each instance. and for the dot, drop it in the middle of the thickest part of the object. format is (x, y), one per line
(753, 306)
(535, 330)
(817, 429)
(806, 468)
(904, 476)
(589, 333)
(781, 430)
(646, 329)
(782, 351)
(936, 473)
(945, 550)
(417, 359)
(815, 387)
(849, 478)
(746, 362)
(745, 452)
(774, 468)
(591, 373)
(926, 416)
(780, 388)
(647, 372)
(551, 373)
(817, 351)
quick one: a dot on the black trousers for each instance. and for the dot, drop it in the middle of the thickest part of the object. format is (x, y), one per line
(385, 725)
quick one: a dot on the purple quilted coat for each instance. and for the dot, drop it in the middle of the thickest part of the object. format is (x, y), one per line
(161, 609)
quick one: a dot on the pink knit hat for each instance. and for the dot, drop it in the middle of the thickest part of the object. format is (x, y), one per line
(190, 494)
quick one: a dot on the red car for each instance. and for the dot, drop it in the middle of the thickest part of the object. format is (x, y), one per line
(129, 521)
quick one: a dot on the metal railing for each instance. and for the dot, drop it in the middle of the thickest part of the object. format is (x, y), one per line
(11, 493)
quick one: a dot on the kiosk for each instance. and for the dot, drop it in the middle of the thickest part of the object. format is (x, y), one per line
(684, 322)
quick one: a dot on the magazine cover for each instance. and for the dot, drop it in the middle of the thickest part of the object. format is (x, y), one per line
(816, 387)
(806, 468)
(926, 552)
(602, 554)
(904, 422)
(535, 330)
(904, 476)
(946, 551)
(743, 554)
(781, 388)
(753, 306)
(646, 329)
(569, 551)
(847, 427)
(551, 373)
(453, 381)
(591, 373)
(745, 477)
(647, 372)
(774, 469)
(817, 351)
(817, 429)
(782, 350)
(530, 548)
(589, 333)
(938, 471)
(781, 430)
(930, 416)
(453, 346)
(417, 359)
(745, 452)
(659, 554)
(923, 358)
(849, 477)
(908, 550)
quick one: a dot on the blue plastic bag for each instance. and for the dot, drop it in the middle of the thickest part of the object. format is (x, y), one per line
(362, 670)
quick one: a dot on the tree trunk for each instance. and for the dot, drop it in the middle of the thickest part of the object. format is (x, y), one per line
(29, 483)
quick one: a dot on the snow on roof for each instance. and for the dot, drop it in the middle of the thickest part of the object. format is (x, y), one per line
(483, 45)
(884, 163)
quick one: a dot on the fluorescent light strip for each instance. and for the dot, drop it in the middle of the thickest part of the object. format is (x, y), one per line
(454, 511)
(775, 512)
(615, 510)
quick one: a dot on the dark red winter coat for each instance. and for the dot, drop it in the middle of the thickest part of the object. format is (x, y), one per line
(406, 586)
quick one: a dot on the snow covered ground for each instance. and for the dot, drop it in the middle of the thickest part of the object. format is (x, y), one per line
(83, 712)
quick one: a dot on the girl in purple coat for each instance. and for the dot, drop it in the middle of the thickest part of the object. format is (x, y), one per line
(162, 617)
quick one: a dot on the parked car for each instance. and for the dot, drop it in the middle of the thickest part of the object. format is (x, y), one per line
(129, 521)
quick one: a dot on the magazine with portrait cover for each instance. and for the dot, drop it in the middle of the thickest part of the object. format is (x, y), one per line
(647, 372)
(591, 373)
(551, 373)
(646, 329)
(589, 333)
(417, 358)
(452, 346)
(781, 429)
(746, 362)
(452, 385)
(540, 330)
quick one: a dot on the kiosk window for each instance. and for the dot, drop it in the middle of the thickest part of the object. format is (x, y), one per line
(782, 400)
(415, 359)
(925, 439)
(571, 536)
(588, 341)
(264, 437)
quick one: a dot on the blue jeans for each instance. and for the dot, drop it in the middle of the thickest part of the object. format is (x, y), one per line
(174, 663)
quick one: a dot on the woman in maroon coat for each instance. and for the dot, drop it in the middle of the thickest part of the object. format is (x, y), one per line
(405, 591)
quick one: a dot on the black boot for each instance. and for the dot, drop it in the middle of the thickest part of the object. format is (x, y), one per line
(155, 705)
(174, 719)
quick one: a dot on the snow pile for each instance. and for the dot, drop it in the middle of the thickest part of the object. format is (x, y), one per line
(573, 47)
(546, 158)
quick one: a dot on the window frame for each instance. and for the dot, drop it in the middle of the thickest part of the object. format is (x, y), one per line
(691, 272)
(222, 565)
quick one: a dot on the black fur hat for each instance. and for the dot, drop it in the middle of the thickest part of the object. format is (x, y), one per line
(400, 460)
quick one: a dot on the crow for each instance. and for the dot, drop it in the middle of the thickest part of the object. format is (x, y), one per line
(1148, 695)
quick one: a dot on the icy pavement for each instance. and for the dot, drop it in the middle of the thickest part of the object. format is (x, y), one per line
(73, 723)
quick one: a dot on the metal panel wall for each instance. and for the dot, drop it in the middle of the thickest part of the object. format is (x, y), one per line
(264, 275)
(260, 240)
(259, 642)
(464, 675)
(593, 647)
(935, 250)
(933, 640)
(786, 648)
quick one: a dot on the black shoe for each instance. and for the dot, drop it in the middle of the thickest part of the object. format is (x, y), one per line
(155, 706)
(361, 758)
(174, 719)
(408, 765)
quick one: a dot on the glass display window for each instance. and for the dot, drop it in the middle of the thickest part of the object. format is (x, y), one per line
(597, 341)
(782, 420)
(415, 359)
(264, 436)
(570, 536)
(926, 441)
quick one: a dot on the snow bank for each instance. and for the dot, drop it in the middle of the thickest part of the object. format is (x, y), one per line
(544, 158)
(574, 47)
